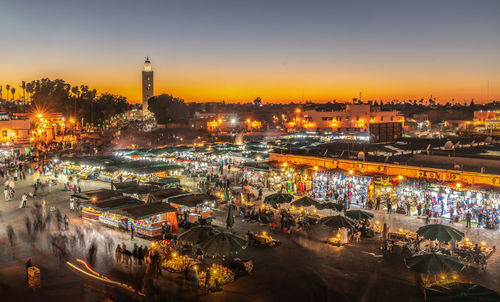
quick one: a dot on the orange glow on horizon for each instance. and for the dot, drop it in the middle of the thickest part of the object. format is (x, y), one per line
(272, 86)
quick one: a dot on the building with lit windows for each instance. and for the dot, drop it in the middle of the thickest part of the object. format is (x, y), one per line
(383, 125)
(490, 119)
(14, 130)
(53, 127)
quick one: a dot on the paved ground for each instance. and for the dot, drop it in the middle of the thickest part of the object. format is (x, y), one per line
(303, 268)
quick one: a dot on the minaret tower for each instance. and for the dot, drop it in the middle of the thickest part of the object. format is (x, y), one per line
(147, 86)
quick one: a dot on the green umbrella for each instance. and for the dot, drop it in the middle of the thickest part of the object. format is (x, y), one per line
(223, 244)
(277, 198)
(330, 205)
(434, 264)
(442, 233)
(358, 214)
(197, 234)
(226, 194)
(203, 190)
(263, 218)
(338, 221)
(230, 218)
(305, 202)
(460, 292)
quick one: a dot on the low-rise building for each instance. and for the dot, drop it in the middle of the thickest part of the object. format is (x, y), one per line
(490, 119)
(381, 125)
(355, 118)
(14, 130)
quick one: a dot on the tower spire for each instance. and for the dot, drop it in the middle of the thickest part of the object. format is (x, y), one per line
(147, 86)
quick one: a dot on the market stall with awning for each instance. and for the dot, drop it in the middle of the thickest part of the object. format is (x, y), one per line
(147, 218)
(163, 182)
(94, 196)
(162, 195)
(118, 186)
(193, 206)
(138, 190)
(191, 200)
(98, 211)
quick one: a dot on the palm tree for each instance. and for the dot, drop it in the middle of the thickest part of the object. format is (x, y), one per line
(29, 89)
(0, 92)
(92, 95)
(84, 92)
(76, 92)
(23, 86)
(13, 91)
(8, 89)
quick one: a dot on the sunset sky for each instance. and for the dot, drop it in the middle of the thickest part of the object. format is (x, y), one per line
(213, 50)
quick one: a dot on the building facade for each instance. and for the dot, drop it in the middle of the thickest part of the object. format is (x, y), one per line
(490, 119)
(14, 131)
(147, 86)
(355, 118)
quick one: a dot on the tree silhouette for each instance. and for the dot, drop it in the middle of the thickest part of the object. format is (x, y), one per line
(23, 86)
(59, 96)
(168, 109)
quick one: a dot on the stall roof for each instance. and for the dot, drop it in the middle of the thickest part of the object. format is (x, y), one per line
(261, 165)
(116, 203)
(165, 193)
(126, 184)
(142, 189)
(165, 181)
(155, 169)
(145, 210)
(191, 200)
(96, 195)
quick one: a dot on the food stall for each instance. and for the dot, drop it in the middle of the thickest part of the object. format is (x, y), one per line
(218, 272)
(105, 206)
(178, 263)
(139, 191)
(162, 195)
(119, 186)
(193, 206)
(148, 218)
(165, 182)
(336, 185)
(93, 196)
